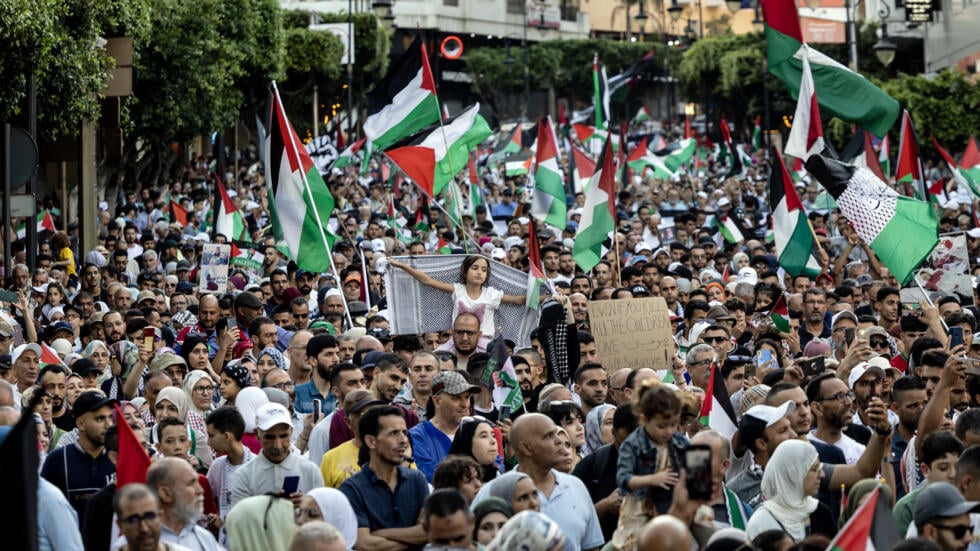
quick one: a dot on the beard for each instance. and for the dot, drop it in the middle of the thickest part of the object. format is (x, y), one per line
(323, 372)
(190, 512)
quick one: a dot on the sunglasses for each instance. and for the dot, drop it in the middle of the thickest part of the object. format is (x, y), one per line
(958, 530)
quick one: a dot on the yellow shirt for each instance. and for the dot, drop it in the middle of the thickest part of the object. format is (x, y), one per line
(339, 464)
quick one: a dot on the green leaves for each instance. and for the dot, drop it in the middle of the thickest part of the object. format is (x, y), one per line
(946, 105)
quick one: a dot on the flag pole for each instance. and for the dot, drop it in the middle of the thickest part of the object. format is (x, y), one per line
(316, 211)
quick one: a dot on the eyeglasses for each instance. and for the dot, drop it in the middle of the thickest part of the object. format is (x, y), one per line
(701, 363)
(204, 389)
(715, 340)
(878, 343)
(839, 397)
(134, 520)
(284, 385)
(958, 530)
(465, 333)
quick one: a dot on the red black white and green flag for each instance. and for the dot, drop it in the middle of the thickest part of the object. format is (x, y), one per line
(513, 144)
(716, 410)
(228, 220)
(535, 274)
(599, 213)
(902, 231)
(45, 223)
(962, 176)
(872, 527)
(806, 135)
(779, 314)
(909, 171)
(582, 168)
(434, 156)
(405, 101)
(841, 92)
(299, 202)
(792, 234)
(970, 162)
(548, 204)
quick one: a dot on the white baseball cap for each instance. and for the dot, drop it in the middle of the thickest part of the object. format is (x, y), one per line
(748, 275)
(272, 414)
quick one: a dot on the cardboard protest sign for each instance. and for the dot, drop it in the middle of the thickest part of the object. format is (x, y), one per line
(632, 333)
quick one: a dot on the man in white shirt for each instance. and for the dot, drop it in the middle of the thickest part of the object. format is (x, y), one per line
(181, 504)
(267, 472)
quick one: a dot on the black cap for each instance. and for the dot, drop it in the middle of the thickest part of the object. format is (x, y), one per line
(84, 366)
(89, 401)
(380, 333)
(639, 290)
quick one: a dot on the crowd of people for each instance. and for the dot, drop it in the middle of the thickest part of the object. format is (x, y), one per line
(284, 414)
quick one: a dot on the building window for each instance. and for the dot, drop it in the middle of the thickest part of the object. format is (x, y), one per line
(515, 6)
(450, 2)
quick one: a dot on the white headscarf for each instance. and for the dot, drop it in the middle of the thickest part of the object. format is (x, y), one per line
(337, 512)
(782, 486)
(248, 401)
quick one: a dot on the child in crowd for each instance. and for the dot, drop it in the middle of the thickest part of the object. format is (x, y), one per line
(225, 429)
(649, 460)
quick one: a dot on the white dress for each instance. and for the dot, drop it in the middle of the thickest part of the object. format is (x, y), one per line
(484, 307)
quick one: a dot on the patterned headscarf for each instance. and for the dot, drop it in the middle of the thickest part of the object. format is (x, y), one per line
(238, 373)
(275, 354)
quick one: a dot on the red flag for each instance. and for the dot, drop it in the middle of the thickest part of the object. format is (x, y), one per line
(133, 460)
(49, 356)
(178, 213)
(687, 126)
(871, 158)
(340, 139)
(533, 254)
(971, 157)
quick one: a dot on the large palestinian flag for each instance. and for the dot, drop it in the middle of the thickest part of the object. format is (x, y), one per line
(840, 91)
(902, 231)
(404, 102)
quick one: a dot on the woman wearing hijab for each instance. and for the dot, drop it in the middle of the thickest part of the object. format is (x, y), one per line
(331, 506)
(172, 402)
(199, 387)
(858, 494)
(476, 438)
(791, 479)
(528, 530)
(260, 523)
(489, 516)
(517, 490)
(234, 378)
(98, 352)
(269, 359)
(248, 402)
(195, 352)
(598, 428)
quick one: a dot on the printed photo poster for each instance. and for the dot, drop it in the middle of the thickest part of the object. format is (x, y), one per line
(213, 275)
(948, 269)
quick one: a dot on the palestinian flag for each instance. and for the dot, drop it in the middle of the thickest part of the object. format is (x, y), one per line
(49, 356)
(300, 204)
(797, 172)
(860, 152)
(548, 204)
(518, 164)
(641, 159)
(228, 220)
(582, 169)
(133, 462)
(535, 275)
(729, 229)
(590, 135)
(433, 157)
(841, 92)
(677, 154)
(620, 85)
(883, 155)
(600, 87)
(499, 375)
(45, 223)
(909, 171)
(735, 168)
(529, 137)
(443, 247)
(792, 233)
(970, 162)
(642, 115)
(757, 133)
(404, 102)
(779, 314)
(716, 410)
(178, 214)
(351, 155)
(806, 135)
(901, 231)
(960, 175)
(872, 527)
(511, 146)
(599, 214)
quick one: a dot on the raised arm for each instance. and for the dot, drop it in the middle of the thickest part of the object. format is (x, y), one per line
(423, 278)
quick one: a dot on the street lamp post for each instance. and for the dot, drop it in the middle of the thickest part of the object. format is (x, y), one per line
(884, 49)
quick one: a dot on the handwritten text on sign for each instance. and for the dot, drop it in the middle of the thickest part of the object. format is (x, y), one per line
(632, 333)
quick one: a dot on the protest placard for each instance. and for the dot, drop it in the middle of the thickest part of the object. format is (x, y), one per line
(632, 333)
